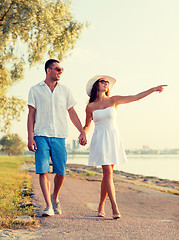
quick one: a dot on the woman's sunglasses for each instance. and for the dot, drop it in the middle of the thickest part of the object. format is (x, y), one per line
(104, 82)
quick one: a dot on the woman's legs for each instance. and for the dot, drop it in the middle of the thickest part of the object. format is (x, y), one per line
(102, 198)
(107, 188)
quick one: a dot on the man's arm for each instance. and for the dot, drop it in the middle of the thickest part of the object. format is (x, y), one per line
(30, 128)
(76, 121)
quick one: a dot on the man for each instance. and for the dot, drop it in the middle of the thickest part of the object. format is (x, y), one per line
(48, 104)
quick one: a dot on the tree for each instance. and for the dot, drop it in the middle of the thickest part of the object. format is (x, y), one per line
(30, 30)
(12, 144)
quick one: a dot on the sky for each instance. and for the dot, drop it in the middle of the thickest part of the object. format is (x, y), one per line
(136, 42)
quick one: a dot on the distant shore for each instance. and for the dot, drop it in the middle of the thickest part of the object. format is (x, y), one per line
(125, 179)
(128, 152)
(134, 152)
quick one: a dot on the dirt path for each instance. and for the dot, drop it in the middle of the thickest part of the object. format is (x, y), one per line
(146, 214)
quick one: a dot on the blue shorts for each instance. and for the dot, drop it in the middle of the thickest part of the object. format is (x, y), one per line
(50, 147)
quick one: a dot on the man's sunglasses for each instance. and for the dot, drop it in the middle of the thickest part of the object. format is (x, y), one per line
(58, 69)
(104, 82)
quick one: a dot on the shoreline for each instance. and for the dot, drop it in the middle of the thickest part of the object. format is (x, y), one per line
(133, 181)
(129, 180)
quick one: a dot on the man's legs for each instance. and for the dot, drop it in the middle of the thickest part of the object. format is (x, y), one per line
(59, 158)
(45, 187)
(58, 181)
(42, 156)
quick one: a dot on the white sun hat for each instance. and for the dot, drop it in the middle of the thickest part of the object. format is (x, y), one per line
(90, 82)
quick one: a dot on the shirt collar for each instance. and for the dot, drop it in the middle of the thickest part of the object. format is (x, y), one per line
(43, 83)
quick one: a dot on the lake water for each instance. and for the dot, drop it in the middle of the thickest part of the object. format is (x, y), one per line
(162, 166)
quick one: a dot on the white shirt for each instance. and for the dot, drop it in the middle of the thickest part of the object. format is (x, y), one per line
(51, 109)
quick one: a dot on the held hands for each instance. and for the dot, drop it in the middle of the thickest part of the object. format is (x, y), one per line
(32, 145)
(82, 139)
(159, 88)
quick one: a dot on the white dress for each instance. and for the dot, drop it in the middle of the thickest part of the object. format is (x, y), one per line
(106, 147)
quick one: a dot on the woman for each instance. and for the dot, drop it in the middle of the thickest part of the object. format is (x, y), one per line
(106, 147)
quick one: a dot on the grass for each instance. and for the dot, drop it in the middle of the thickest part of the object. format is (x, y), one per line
(89, 173)
(15, 191)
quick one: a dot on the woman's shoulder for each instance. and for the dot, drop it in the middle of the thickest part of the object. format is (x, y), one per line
(90, 107)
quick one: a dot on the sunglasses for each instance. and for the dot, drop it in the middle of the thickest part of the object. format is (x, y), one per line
(104, 82)
(58, 69)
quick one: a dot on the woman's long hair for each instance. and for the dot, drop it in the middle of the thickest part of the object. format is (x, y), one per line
(95, 92)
